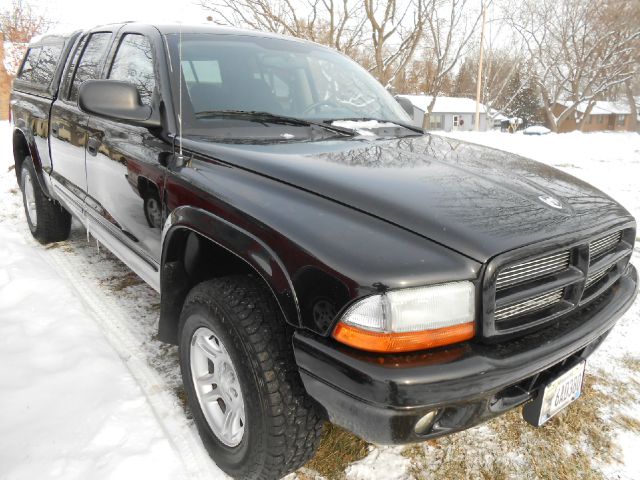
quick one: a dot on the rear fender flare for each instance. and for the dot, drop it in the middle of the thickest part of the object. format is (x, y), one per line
(22, 135)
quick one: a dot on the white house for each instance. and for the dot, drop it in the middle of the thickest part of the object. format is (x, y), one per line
(449, 113)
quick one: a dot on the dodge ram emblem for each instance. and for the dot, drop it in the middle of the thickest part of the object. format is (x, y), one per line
(549, 200)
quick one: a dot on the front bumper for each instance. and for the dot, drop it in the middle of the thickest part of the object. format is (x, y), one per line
(380, 398)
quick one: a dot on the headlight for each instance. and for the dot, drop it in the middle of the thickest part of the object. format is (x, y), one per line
(410, 319)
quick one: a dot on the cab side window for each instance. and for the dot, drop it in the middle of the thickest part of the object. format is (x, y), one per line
(89, 66)
(133, 63)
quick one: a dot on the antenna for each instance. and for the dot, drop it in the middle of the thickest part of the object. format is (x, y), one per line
(180, 90)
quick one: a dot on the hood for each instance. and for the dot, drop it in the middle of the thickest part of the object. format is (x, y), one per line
(475, 200)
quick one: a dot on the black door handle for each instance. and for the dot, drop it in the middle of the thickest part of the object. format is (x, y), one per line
(92, 145)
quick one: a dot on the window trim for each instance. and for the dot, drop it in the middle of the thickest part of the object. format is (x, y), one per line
(111, 57)
(120, 41)
(82, 44)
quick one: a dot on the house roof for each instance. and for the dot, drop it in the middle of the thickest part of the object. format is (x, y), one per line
(603, 107)
(444, 104)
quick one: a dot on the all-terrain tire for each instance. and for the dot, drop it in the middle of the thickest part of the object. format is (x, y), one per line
(283, 424)
(51, 222)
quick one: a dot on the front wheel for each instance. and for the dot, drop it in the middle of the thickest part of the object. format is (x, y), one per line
(47, 220)
(242, 384)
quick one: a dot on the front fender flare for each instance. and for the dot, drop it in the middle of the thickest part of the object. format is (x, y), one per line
(243, 244)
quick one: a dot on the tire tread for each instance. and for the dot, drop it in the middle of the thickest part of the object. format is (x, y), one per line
(295, 425)
(54, 222)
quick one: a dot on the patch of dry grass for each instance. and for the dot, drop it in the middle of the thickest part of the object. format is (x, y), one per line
(338, 448)
(119, 283)
(632, 363)
(628, 423)
(566, 448)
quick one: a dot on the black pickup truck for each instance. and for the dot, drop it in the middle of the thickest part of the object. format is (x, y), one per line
(318, 258)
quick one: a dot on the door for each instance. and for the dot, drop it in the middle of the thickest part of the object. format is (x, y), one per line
(68, 135)
(125, 172)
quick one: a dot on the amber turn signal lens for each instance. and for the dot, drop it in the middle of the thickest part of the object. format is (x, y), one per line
(395, 342)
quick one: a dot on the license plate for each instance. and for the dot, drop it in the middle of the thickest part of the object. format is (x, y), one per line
(556, 395)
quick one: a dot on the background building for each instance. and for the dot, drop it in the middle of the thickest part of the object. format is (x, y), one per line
(604, 115)
(449, 113)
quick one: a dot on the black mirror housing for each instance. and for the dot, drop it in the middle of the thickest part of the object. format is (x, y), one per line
(406, 104)
(116, 100)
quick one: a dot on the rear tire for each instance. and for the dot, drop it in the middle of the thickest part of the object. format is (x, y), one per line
(47, 220)
(280, 424)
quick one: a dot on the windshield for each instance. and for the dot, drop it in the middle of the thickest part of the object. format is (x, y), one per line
(223, 72)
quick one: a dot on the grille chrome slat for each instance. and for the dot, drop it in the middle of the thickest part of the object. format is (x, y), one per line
(604, 244)
(519, 269)
(538, 260)
(602, 248)
(528, 306)
(594, 277)
(532, 269)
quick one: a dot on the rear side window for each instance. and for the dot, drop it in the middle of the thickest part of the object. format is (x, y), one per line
(40, 64)
(89, 66)
(29, 64)
(47, 62)
(133, 63)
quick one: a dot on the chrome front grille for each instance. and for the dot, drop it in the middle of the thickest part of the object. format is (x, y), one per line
(603, 245)
(532, 269)
(532, 290)
(595, 276)
(528, 306)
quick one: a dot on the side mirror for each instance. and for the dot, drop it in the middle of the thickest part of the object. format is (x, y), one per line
(406, 104)
(116, 100)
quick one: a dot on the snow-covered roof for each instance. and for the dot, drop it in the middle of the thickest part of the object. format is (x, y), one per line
(444, 104)
(496, 115)
(603, 107)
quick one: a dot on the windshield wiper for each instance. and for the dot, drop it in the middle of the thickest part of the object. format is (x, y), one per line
(380, 120)
(256, 116)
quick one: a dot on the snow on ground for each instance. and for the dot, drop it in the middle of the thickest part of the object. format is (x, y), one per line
(87, 391)
(68, 406)
(78, 396)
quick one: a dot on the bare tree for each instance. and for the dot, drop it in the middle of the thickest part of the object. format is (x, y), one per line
(336, 23)
(501, 67)
(504, 63)
(380, 34)
(396, 32)
(633, 108)
(19, 22)
(579, 50)
(450, 26)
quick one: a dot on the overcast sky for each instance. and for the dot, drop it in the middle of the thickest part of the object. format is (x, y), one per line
(73, 14)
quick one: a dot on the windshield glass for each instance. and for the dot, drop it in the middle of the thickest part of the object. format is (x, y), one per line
(223, 72)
